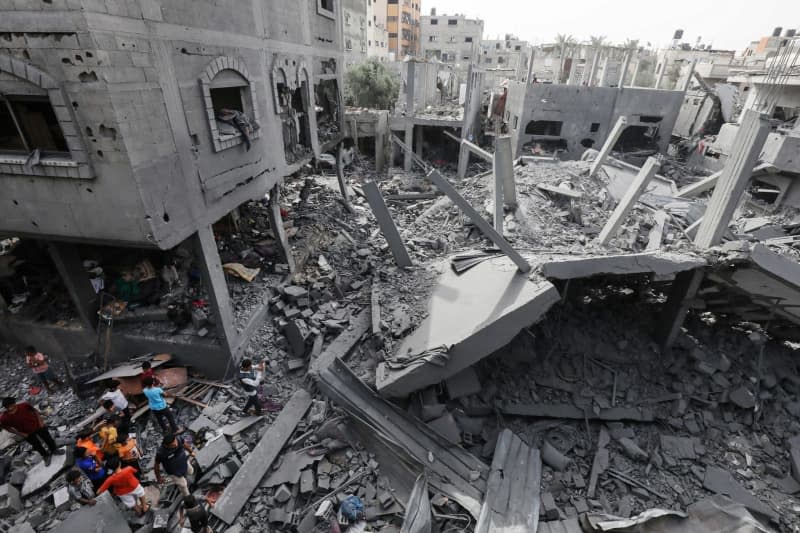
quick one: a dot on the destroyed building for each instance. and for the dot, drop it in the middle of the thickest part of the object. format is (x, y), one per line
(453, 39)
(128, 131)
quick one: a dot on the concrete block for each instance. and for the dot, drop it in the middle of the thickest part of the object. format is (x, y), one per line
(549, 508)
(553, 458)
(446, 427)
(307, 481)
(633, 450)
(282, 494)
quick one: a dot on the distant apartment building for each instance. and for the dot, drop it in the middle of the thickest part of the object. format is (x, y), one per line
(673, 65)
(355, 31)
(402, 23)
(757, 52)
(452, 39)
(377, 33)
(509, 54)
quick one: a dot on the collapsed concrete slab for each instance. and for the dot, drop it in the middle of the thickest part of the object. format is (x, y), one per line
(469, 316)
(105, 516)
(659, 263)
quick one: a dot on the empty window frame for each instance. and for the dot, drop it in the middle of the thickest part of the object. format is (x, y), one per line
(467, 39)
(551, 128)
(434, 22)
(595, 127)
(229, 89)
(452, 22)
(326, 8)
(28, 123)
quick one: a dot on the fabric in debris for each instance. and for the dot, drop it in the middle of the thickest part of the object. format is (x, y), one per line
(241, 121)
(436, 356)
(241, 271)
(351, 510)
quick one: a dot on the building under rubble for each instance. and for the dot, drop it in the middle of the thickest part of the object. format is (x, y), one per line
(127, 131)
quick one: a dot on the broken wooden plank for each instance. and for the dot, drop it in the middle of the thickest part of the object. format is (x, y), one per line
(387, 225)
(600, 462)
(256, 464)
(635, 190)
(342, 344)
(656, 234)
(512, 490)
(237, 427)
(476, 218)
(568, 411)
(562, 191)
(376, 306)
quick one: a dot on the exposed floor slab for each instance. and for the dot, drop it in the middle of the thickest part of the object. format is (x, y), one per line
(105, 517)
(469, 316)
(659, 263)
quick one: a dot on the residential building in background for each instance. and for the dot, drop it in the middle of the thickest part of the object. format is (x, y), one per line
(509, 54)
(127, 138)
(377, 33)
(402, 24)
(757, 52)
(355, 31)
(453, 39)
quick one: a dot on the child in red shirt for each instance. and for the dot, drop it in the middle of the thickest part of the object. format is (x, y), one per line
(124, 484)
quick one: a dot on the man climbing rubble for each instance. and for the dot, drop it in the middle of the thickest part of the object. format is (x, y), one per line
(173, 455)
(158, 406)
(250, 378)
(24, 420)
(37, 362)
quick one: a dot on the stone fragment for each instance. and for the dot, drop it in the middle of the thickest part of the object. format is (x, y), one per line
(678, 447)
(282, 494)
(633, 450)
(743, 398)
(553, 458)
(446, 426)
(549, 508)
(293, 292)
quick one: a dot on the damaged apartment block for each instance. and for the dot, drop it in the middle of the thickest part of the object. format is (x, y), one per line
(128, 145)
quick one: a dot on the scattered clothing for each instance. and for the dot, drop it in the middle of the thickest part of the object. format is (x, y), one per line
(241, 121)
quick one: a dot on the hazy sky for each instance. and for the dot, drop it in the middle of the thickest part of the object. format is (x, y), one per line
(727, 24)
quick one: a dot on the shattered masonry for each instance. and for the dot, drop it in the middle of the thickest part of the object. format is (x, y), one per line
(474, 312)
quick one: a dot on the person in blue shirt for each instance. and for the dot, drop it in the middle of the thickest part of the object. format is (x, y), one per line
(89, 466)
(156, 399)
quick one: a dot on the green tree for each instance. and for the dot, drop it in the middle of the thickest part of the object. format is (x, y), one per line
(372, 85)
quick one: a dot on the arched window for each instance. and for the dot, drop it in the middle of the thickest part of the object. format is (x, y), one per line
(230, 103)
(38, 136)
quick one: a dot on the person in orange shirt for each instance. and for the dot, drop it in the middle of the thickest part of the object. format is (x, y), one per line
(129, 453)
(37, 362)
(85, 439)
(125, 486)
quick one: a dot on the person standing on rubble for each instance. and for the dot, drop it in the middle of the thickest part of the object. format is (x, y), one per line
(117, 397)
(108, 437)
(24, 420)
(148, 372)
(85, 439)
(129, 453)
(125, 486)
(37, 362)
(156, 399)
(250, 378)
(173, 455)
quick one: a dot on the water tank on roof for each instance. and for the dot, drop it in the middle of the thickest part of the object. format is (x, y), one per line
(678, 35)
(433, 11)
(790, 33)
(777, 31)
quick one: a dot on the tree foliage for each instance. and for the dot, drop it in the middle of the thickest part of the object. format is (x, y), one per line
(372, 85)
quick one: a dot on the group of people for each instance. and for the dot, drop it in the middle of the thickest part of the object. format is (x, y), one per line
(107, 455)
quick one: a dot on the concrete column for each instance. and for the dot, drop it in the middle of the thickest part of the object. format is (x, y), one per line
(216, 286)
(276, 223)
(735, 176)
(529, 79)
(387, 225)
(340, 177)
(593, 71)
(504, 169)
(624, 70)
(463, 160)
(410, 88)
(70, 268)
(673, 314)
(635, 73)
(611, 140)
(499, 213)
(635, 190)
(689, 75)
(409, 140)
(604, 78)
(419, 140)
(380, 150)
(660, 75)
